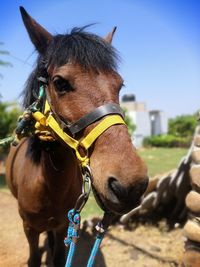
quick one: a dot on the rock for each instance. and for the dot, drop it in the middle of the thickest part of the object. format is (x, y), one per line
(196, 155)
(152, 184)
(125, 218)
(195, 176)
(148, 202)
(165, 192)
(192, 245)
(197, 140)
(192, 231)
(193, 202)
(154, 181)
(191, 258)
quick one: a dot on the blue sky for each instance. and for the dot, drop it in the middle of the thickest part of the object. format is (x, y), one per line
(158, 40)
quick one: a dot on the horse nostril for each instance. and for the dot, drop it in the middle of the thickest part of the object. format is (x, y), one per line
(131, 194)
(116, 188)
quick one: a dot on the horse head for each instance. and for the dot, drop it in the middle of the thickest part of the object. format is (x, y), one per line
(81, 70)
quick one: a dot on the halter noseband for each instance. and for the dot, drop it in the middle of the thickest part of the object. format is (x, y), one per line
(93, 116)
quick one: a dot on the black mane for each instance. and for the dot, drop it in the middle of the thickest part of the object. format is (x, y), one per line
(86, 49)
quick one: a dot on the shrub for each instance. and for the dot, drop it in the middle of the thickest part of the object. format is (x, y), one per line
(167, 141)
(9, 113)
(183, 126)
(129, 122)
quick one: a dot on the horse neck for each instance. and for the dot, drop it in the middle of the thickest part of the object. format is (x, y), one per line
(60, 168)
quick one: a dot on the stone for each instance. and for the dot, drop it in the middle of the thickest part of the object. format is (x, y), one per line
(197, 140)
(148, 202)
(192, 231)
(191, 258)
(152, 184)
(193, 202)
(196, 155)
(195, 176)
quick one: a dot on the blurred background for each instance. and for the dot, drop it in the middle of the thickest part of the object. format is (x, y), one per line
(158, 42)
(159, 45)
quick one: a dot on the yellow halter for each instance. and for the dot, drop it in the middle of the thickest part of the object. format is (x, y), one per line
(47, 122)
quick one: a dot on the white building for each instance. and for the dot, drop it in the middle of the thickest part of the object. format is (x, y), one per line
(147, 123)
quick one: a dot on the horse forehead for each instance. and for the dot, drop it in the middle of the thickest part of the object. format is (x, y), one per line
(73, 70)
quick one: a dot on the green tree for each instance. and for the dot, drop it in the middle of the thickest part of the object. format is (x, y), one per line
(129, 123)
(183, 126)
(9, 113)
(3, 62)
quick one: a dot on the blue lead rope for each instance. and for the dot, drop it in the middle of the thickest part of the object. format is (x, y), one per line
(75, 218)
(71, 253)
(95, 249)
(73, 235)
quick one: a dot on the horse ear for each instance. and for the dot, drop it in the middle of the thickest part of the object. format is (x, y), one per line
(38, 35)
(110, 35)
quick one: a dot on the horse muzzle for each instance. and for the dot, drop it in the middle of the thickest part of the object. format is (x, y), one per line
(120, 199)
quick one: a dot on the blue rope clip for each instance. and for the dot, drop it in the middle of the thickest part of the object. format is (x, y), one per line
(73, 229)
(72, 234)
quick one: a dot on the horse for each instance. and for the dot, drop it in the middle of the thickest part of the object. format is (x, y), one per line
(45, 176)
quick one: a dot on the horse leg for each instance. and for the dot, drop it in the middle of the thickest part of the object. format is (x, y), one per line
(33, 239)
(50, 247)
(60, 249)
(51, 241)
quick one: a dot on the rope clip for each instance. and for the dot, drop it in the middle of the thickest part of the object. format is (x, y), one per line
(74, 227)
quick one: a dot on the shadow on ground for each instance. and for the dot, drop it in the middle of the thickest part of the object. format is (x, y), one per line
(83, 251)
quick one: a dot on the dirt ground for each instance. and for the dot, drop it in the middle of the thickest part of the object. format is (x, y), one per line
(144, 246)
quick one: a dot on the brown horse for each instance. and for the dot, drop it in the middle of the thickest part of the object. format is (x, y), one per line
(44, 176)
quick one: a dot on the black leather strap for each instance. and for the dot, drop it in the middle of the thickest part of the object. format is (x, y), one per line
(82, 123)
(95, 115)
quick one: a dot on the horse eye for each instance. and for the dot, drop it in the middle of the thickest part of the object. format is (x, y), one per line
(62, 86)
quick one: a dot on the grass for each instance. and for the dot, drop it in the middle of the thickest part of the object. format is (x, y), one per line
(158, 160)
(91, 208)
(161, 160)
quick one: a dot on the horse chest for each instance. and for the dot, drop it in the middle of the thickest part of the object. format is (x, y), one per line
(44, 213)
(44, 219)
